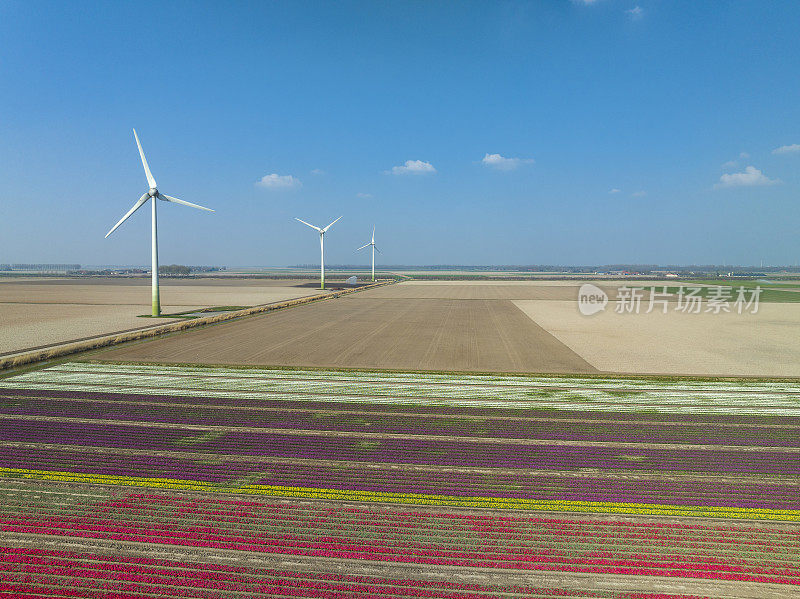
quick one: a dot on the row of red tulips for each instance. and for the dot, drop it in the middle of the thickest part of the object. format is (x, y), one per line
(482, 558)
(386, 537)
(26, 570)
(311, 519)
(251, 517)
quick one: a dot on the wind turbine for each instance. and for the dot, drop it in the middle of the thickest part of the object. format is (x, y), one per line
(155, 195)
(374, 248)
(321, 248)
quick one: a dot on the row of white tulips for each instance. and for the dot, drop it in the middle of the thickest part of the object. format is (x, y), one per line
(519, 392)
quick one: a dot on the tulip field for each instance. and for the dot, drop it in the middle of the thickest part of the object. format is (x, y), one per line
(135, 480)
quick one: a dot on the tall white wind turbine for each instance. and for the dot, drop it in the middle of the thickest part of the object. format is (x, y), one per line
(374, 248)
(155, 195)
(321, 248)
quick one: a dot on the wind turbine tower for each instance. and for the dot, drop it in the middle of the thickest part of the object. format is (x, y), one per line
(321, 248)
(374, 248)
(153, 194)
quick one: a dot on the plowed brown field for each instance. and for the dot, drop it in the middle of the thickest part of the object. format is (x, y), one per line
(365, 331)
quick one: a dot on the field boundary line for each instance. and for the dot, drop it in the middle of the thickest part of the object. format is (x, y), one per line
(27, 357)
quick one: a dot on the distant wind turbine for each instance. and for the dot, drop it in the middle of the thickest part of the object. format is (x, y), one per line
(374, 248)
(155, 195)
(321, 248)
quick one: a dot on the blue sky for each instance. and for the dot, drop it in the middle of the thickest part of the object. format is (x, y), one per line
(678, 105)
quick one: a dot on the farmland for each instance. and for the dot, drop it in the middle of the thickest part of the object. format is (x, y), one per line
(227, 482)
(725, 344)
(365, 331)
(502, 326)
(41, 312)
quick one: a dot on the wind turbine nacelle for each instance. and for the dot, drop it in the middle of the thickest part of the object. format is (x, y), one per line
(153, 192)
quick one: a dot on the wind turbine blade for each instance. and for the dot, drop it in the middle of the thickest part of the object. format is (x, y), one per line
(373, 234)
(177, 201)
(309, 225)
(376, 248)
(136, 206)
(150, 179)
(366, 245)
(330, 225)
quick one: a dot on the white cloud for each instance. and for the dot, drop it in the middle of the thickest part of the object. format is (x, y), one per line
(412, 167)
(587, 2)
(317, 171)
(504, 164)
(635, 13)
(751, 176)
(792, 149)
(638, 194)
(275, 181)
(364, 196)
(615, 190)
(735, 163)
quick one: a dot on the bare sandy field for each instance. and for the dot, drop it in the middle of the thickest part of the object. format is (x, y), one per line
(762, 344)
(500, 290)
(175, 292)
(535, 283)
(367, 331)
(36, 313)
(26, 326)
